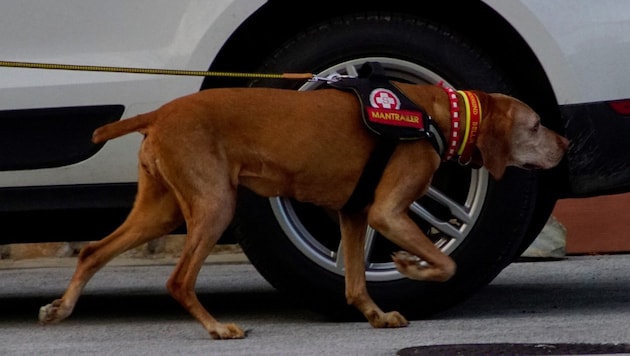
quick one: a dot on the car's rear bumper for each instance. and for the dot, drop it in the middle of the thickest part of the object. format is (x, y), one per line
(599, 154)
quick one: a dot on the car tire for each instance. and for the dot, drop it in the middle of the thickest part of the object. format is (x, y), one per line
(479, 222)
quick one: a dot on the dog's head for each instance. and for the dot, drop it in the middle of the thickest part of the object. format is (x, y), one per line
(511, 135)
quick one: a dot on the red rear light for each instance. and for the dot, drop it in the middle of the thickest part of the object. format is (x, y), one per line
(621, 107)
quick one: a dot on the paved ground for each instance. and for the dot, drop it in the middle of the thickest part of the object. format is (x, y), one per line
(126, 311)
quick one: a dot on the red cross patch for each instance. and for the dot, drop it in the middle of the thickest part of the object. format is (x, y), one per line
(384, 99)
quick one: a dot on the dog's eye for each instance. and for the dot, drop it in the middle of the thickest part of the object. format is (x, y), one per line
(536, 127)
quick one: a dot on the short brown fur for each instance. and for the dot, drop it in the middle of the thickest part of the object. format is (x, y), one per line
(311, 146)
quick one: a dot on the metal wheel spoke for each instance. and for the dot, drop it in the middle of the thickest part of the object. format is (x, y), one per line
(460, 213)
(370, 235)
(444, 226)
(351, 70)
(340, 263)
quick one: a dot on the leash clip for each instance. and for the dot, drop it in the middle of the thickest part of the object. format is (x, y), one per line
(333, 78)
(464, 164)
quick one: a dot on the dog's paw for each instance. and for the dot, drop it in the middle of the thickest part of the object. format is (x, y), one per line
(390, 320)
(394, 320)
(53, 312)
(415, 268)
(226, 331)
(410, 265)
(405, 258)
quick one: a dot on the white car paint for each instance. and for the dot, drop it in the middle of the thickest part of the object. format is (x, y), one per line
(183, 34)
(579, 43)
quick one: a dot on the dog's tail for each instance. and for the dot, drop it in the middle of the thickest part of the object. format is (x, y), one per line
(122, 127)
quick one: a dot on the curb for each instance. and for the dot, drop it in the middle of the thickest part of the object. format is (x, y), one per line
(53, 262)
(162, 251)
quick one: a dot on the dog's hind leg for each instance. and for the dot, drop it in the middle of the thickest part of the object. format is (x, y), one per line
(353, 229)
(154, 214)
(208, 210)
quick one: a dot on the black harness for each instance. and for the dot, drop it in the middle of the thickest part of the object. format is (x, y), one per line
(389, 114)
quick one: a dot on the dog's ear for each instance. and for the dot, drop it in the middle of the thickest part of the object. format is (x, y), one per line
(493, 156)
(494, 135)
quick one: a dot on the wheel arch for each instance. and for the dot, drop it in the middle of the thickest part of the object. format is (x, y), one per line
(265, 31)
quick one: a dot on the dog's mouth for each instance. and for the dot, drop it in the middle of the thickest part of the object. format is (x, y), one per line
(531, 166)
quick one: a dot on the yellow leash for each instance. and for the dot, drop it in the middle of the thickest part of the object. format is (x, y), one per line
(295, 76)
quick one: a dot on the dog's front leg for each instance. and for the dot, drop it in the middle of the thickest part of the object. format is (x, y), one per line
(406, 178)
(353, 228)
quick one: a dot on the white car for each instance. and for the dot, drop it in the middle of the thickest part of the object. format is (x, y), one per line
(568, 59)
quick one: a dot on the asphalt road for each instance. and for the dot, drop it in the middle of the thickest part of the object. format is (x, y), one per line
(125, 311)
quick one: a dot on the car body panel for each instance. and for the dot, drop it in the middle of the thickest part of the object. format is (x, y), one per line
(584, 50)
(580, 43)
(139, 33)
(599, 161)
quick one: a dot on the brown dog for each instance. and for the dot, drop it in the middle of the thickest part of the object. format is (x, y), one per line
(311, 146)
